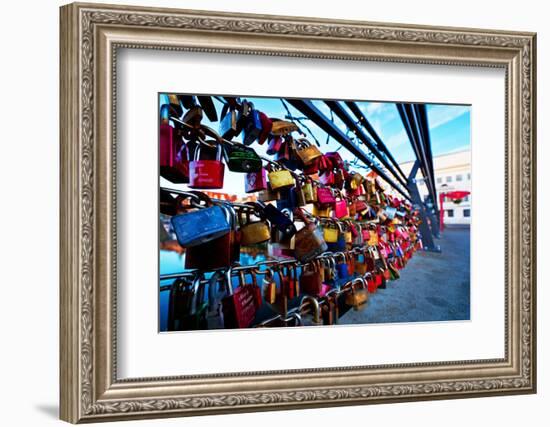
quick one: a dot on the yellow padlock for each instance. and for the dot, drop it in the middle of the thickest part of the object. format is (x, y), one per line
(307, 152)
(373, 238)
(348, 237)
(280, 179)
(330, 234)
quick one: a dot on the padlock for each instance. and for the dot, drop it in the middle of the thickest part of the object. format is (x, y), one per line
(312, 304)
(173, 153)
(175, 105)
(207, 174)
(228, 124)
(179, 302)
(361, 207)
(292, 284)
(356, 179)
(335, 160)
(252, 127)
(310, 191)
(202, 225)
(333, 297)
(394, 272)
(330, 232)
(329, 270)
(371, 283)
(254, 232)
(348, 236)
(269, 287)
(341, 208)
(340, 244)
(267, 125)
(325, 197)
(307, 152)
(309, 241)
(310, 279)
(241, 305)
(281, 127)
(327, 312)
(326, 177)
(350, 261)
(339, 178)
(300, 194)
(280, 178)
(187, 307)
(358, 240)
(275, 144)
(221, 252)
(357, 296)
(287, 199)
(373, 238)
(342, 266)
(255, 181)
(240, 158)
(312, 168)
(279, 220)
(268, 195)
(360, 265)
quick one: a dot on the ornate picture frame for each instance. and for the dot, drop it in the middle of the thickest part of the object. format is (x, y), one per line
(90, 37)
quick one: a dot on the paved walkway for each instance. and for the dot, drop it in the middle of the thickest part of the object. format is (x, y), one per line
(432, 287)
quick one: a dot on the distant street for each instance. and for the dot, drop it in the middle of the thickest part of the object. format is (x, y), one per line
(432, 287)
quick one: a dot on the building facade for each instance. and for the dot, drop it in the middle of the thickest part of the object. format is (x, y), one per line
(452, 172)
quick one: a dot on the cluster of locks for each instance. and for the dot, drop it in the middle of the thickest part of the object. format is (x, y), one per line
(334, 236)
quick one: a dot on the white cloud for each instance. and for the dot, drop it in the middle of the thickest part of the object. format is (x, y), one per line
(439, 115)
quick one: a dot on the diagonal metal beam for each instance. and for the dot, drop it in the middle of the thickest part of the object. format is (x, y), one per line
(381, 146)
(307, 108)
(339, 110)
(415, 124)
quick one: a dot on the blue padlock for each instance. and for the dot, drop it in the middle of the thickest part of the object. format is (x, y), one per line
(342, 267)
(201, 226)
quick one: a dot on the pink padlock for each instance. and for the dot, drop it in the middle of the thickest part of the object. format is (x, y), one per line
(255, 181)
(325, 196)
(206, 174)
(341, 208)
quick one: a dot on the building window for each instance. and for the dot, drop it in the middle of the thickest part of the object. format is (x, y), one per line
(468, 177)
(459, 177)
(450, 213)
(449, 179)
(466, 213)
(466, 198)
(439, 180)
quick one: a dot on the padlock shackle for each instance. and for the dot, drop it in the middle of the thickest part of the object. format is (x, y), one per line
(312, 300)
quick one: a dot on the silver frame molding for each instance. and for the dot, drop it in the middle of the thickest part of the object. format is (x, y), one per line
(90, 36)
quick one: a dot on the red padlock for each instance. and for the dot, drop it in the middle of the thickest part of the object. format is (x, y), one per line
(255, 181)
(206, 173)
(371, 283)
(267, 125)
(327, 177)
(173, 159)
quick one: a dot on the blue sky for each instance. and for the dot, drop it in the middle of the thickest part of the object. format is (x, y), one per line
(449, 126)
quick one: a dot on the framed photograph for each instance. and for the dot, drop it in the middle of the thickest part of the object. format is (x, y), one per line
(268, 212)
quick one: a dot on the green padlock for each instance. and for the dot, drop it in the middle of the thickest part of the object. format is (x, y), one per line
(240, 158)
